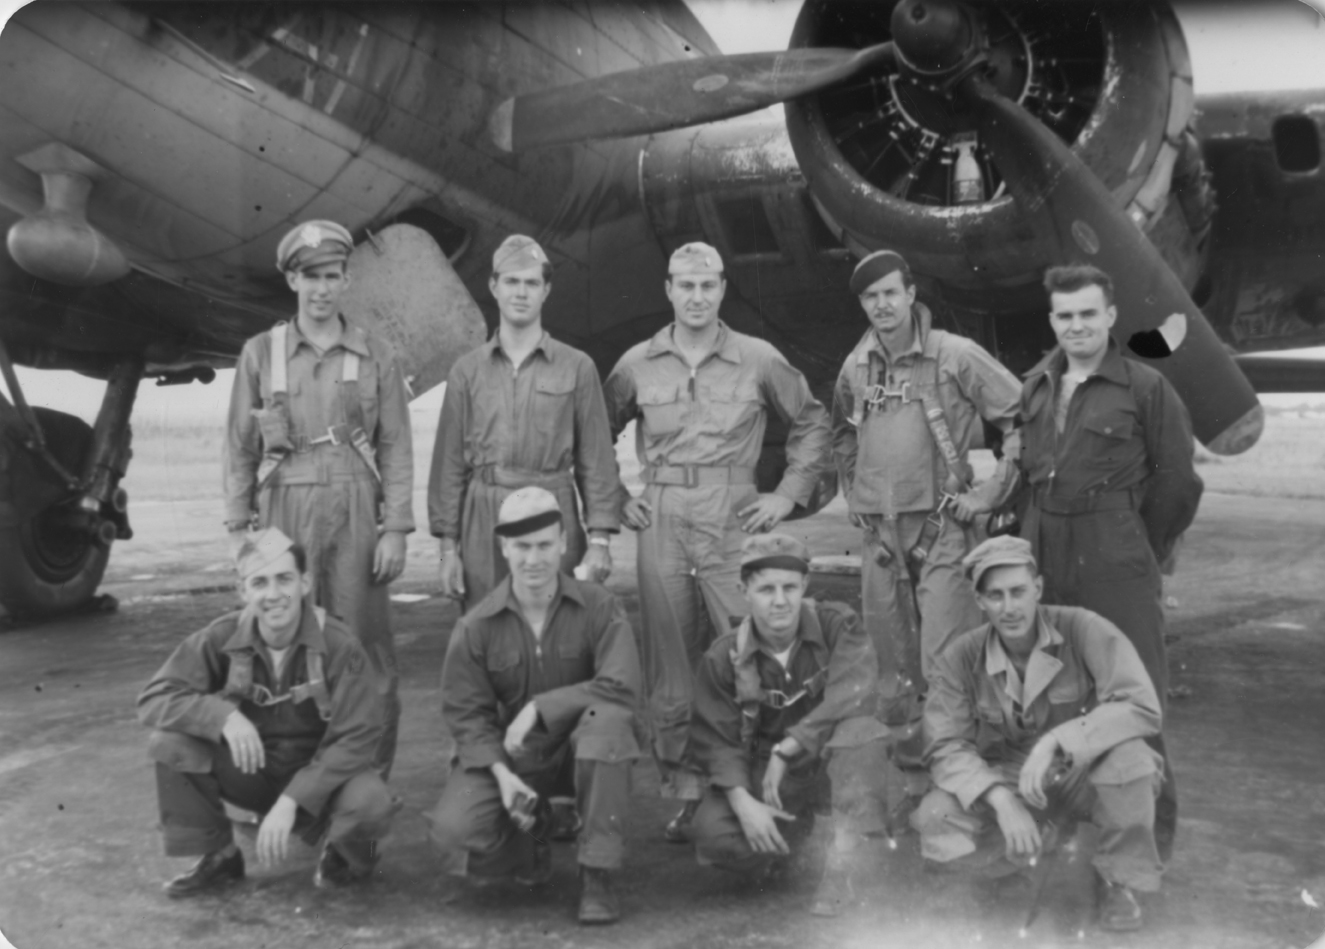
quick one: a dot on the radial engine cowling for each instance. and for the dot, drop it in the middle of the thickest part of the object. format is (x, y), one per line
(895, 163)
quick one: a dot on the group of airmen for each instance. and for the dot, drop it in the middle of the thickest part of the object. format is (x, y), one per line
(994, 693)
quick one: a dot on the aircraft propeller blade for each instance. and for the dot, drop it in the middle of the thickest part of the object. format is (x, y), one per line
(1080, 221)
(674, 95)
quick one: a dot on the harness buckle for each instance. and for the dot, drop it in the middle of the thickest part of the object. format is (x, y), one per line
(691, 475)
(332, 437)
(877, 394)
(778, 700)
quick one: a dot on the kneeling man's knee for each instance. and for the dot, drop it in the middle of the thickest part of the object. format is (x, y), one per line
(1126, 762)
(181, 752)
(606, 733)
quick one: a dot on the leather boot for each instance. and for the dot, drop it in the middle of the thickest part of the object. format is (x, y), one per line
(212, 872)
(598, 902)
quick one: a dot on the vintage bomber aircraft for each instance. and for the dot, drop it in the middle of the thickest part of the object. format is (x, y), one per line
(154, 152)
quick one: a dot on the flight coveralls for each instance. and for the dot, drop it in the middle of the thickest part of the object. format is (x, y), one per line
(1085, 683)
(322, 494)
(699, 436)
(583, 677)
(1111, 495)
(746, 702)
(895, 477)
(502, 428)
(320, 718)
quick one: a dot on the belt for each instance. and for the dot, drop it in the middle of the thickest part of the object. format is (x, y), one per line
(334, 435)
(691, 476)
(1084, 504)
(501, 477)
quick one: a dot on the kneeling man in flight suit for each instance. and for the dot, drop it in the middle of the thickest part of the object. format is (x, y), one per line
(1039, 718)
(782, 725)
(276, 709)
(538, 688)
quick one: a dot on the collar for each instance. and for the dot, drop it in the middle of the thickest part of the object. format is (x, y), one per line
(809, 632)
(726, 347)
(247, 637)
(1113, 367)
(1041, 667)
(922, 321)
(503, 598)
(543, 346)
(352, 337)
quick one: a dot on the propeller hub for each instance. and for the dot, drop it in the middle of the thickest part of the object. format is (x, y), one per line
(934, 38)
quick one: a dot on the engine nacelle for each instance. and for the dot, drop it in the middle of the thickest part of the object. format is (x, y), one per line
(893, 162)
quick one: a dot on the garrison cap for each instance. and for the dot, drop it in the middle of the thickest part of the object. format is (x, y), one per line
(1005, 551)
(527, 510)
(695, 257)
(261, 549)
(779, 551)
(313, 244)
(876, 266)
(517, 252)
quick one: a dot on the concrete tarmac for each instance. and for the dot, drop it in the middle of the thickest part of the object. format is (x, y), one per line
(81, 861)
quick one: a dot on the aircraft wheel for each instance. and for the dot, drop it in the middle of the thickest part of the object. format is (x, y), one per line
(47, 566)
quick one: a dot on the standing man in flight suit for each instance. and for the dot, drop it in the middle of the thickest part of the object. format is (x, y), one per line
(318, 444)
(521, 410)
(701, 393)
(1107, 451)
(905, 411)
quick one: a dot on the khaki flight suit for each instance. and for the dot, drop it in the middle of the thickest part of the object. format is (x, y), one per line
(894, 474)
(699, 436)
(1085, 684)
(323, 495)
(501, 429)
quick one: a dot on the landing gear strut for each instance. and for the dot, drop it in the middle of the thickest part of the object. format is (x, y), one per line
(61, 506)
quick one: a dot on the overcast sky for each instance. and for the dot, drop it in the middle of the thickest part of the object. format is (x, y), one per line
(1265, 44)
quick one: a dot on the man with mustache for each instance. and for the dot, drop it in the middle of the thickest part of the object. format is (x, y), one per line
(1107, 451)
(1038, 718)
(538, 688)
(907, 407)
(274, 708)
(701, 394)
(784, 724)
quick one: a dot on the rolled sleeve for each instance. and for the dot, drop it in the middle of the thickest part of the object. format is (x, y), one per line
(395, 449)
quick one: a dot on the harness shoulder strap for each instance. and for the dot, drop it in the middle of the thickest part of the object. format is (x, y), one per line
(349, 377)
(315, 672)
(938, 423)
(239, 680)
(280, 378)
(749, 692)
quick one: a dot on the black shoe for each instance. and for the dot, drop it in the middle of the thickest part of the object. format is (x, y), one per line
(598, 902)
(1119, 911)
(677, 830)
(334, 871)
(212, 872)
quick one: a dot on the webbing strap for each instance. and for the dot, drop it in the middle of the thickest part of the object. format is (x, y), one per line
(280, 380)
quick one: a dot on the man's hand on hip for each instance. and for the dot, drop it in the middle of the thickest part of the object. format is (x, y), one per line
(766, 513)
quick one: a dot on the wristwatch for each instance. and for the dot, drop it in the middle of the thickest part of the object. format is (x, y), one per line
(600, 541)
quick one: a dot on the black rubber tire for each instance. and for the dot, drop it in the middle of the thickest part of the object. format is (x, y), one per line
(46, 569)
